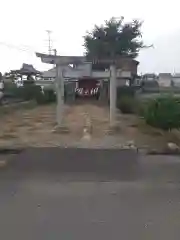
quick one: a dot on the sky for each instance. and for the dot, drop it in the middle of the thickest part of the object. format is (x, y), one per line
(24, 24)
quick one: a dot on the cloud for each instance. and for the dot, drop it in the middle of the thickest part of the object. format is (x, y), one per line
(164, 57)
(26, 22)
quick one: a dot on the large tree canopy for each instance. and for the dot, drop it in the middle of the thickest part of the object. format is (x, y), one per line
(113, 39)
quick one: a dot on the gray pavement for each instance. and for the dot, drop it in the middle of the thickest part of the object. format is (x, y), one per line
(89, 194)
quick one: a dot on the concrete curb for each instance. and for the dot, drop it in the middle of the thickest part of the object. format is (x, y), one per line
(102, 163)
(152, 152)
(87, 136)
(5, 150)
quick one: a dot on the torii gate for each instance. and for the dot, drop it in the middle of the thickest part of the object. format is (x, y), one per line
(86, 71)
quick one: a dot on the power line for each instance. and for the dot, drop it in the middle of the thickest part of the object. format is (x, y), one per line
(26, 48)
(29, 49)
(20, 48)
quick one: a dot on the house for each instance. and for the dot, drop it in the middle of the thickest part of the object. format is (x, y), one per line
(165, 79)
(149, 77)
(27, 69)
(51, 73)
(176, 80)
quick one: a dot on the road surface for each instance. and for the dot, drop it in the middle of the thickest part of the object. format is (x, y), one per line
(43, 197)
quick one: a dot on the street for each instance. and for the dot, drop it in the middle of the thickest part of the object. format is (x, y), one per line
(89, 200)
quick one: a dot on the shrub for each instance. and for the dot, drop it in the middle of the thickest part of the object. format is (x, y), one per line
(125, 98)
(30, 91)
(47, 96)
(163, 112)
(11, 90)
(140, 107)
(125, 91)
(27, 92)
(39, 97)
(126, 104)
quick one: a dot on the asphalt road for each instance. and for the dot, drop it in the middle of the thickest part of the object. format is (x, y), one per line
(42, 196)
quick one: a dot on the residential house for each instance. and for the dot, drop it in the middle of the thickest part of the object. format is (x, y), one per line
(165, 79)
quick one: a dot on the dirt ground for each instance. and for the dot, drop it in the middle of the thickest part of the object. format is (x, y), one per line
(34, 127)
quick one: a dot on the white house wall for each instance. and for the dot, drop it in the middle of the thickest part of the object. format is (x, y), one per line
(52, 72)
(164, 80)
(124, 74)
(44, 82)
(94, 74)
(176, 81)
(85, 68)
(121, 82)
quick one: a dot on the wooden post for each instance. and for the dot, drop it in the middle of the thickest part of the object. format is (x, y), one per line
(113, 95)
(101, 89)
(59, 95)
(60, 128)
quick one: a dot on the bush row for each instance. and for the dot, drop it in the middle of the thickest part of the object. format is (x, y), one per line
(162, 112)
(30, 91)
(125, 99)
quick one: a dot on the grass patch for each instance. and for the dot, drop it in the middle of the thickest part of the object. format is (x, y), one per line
(8, 135)
(6, 109)
(147, 129)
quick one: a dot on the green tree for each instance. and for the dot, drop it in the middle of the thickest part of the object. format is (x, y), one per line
(1, 76)
(113, 39)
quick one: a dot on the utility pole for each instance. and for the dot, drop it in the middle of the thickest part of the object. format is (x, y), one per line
(55, 52)
(49, 41)
(59, 86)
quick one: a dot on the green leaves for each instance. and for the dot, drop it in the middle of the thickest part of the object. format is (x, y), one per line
(126, 104)
(163, 113)
(114, 38)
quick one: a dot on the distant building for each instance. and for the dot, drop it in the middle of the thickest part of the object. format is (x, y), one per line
(176, 80)
(51, 73)
(165, 79)
(26, 69)
(149, 77)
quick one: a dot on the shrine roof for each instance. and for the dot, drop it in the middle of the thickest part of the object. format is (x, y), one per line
(27, 69)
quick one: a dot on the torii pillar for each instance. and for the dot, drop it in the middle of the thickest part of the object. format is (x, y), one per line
(113, 95)
(60, 95)
(60, 62)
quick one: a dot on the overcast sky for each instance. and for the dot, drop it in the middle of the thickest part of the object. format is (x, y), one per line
(24, 24)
